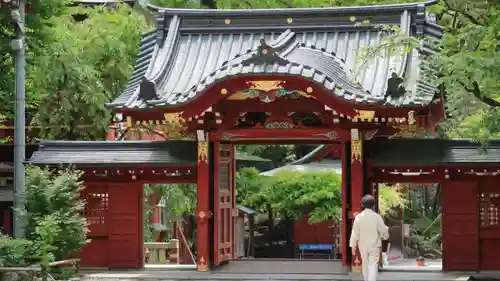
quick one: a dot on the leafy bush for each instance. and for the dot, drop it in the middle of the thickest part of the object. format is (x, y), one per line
(389, 197)
(292, 194)
(15, 252)
(295, 194)
(53, 212)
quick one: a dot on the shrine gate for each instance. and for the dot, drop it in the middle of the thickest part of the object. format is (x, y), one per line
(281, 76)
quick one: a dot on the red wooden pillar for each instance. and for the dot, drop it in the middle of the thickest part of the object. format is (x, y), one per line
(203, 213)
(233, 201)
(7, 221)
(346, 198)
(375, 193)
(358, 178)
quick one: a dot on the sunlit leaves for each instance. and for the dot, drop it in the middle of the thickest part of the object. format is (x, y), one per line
(85, 66)
(468, 63)
(295, 194)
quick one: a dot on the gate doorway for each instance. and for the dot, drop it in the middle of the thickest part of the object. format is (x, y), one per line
(415, 228)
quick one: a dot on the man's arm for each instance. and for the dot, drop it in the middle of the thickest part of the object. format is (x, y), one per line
(353, 242)
(383, 230)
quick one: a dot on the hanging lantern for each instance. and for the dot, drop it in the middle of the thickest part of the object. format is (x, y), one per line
(159, 219)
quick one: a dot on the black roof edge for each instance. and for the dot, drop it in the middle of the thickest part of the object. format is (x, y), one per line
(108, 165)
(288, 11)
(309, 156)
(91, 3)
(465, 142)
(61, 144)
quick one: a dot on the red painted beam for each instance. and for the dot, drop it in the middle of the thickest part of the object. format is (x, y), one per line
(217, 92)
(139, 179)
(318, 135)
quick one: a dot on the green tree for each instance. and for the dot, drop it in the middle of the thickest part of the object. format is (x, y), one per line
(87, 64)
(53, 212)
(293, 194)
(39, 20)
(467, 63)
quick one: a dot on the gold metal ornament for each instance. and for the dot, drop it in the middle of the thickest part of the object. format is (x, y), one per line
(202, 264)
(368, 115)
(356, 150)
(411, 117)
(202, 151)
(266, 85)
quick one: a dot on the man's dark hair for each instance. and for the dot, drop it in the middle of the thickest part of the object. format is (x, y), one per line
(368, 202)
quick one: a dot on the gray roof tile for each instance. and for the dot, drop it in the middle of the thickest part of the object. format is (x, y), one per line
(199, 48)
(122, 153)
(115, 153)
(431, 152)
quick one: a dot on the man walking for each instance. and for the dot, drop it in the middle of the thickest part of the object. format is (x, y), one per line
(368, 231)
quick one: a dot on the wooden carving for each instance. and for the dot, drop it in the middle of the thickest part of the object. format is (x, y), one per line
(279, 123)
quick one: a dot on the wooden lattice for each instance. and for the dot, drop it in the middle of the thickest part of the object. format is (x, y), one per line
(488, 209)
(96, 211)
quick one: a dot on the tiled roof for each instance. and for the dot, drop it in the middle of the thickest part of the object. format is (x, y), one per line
(122, 153)
(431, 152)
(115, 153)
(192, 50)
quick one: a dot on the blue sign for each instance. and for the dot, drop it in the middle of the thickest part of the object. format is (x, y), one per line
(313, 247)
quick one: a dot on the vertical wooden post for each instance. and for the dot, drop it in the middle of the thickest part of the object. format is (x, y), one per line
(203, 213)
(345, 227)
(357, 185)
(375, 193)
(174, 253)
(234, 224)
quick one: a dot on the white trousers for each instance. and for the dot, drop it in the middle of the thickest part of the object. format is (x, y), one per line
(370, 259)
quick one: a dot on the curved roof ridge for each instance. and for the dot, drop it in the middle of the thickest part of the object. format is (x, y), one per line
(225, 41)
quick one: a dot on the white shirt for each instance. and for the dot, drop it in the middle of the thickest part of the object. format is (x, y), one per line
(368, 230)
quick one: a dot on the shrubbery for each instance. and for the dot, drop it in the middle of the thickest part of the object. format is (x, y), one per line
(55, 227)
(295, 194)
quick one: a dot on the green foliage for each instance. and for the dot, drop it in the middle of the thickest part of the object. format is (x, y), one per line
(468, 64)
(53, 212)
(38, 27)
(73, 68)
(179, 199)
(426, 235)
(389, 198)
(14, 252)
(295, 194)
(89, 64)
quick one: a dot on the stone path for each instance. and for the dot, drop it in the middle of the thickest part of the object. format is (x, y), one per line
(159, 275)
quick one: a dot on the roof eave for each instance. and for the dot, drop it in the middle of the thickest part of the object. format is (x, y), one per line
(288, 11)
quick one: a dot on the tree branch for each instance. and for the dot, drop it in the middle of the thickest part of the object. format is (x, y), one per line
(464, 13)
(477, 93)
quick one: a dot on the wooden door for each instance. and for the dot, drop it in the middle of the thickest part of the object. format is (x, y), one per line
(125, 226)
(95, 254)
(224, 205)
(460, 226)
(489, 228)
